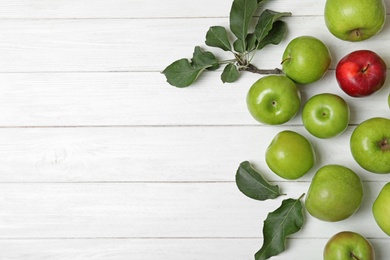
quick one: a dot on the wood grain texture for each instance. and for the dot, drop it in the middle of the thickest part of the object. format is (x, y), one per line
(173, 249)
(140, 9)
(157, 210)
(145, 249)
(143, 9)
(89, 45)
(145, 99)
(152, 154)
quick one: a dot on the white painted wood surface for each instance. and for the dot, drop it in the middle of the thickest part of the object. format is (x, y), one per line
(101, 159)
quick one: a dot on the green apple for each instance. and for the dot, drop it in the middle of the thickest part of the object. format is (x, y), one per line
(335, 193)
(348, 245)
(381, 209)
(290, 155)
(273, 99)
(306, 59)
(325, 115)
(354, 20)
(388, 100)
(370, 145)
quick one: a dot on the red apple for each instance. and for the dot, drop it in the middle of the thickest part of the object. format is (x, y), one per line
(361, 73)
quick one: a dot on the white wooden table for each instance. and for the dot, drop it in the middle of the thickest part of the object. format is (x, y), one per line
(101, 159)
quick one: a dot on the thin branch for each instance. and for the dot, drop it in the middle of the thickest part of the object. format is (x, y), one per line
(254, 69)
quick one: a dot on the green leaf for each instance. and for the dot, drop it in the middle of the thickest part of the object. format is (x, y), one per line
(251, 42)
(284, 221)
(217, 37)
(274, 36)
(238, 46)
(252, 184)
(182, 73)
(230, 73)
(240, 17)
(265, 23)
(203, 59)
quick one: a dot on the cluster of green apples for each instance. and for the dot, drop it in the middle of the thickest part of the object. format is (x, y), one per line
(335, 192)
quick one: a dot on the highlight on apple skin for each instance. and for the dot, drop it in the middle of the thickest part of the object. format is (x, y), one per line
(388, 100)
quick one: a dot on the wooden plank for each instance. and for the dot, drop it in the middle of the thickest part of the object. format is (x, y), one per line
(141, 9)
(173, 249)
(134, 44)
(143, 98)
(158, 210)
(152, 154)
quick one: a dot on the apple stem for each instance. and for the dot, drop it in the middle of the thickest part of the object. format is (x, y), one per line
(285, 60)
(384, 144)
(254, 69)
(365, 68)
(354, 256)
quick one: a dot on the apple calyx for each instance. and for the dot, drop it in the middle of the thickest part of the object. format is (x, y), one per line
(384, 144)
(355, 34)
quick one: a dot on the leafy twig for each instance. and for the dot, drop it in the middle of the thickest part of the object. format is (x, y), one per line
(269, 29)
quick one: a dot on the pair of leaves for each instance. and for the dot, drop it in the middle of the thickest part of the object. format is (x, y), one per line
(183, 73)
(241, 15)
(269, 30)
(217, 36)
(284, 221)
